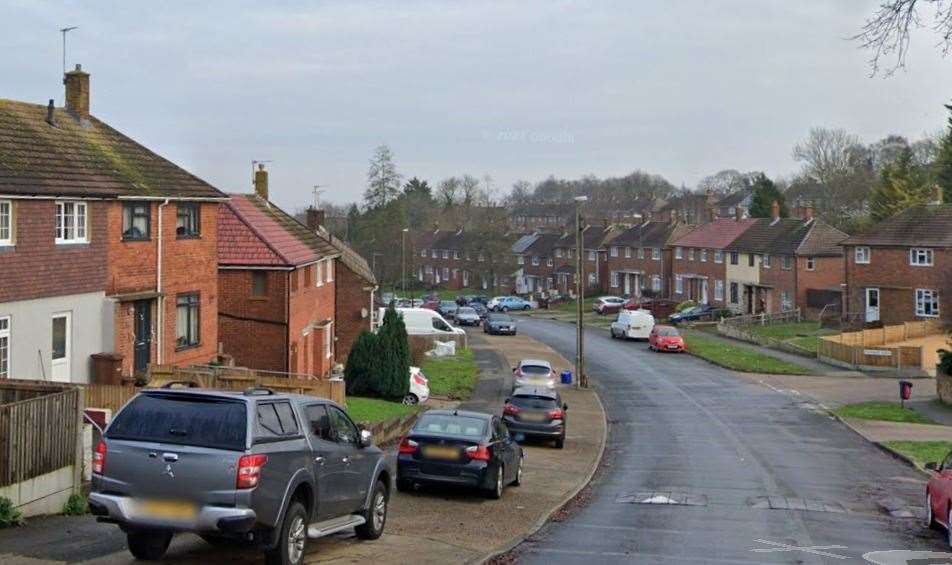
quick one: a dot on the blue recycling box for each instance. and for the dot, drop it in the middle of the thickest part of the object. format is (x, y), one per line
(566, 377)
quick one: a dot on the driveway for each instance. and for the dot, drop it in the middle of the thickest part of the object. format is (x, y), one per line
(704, 466)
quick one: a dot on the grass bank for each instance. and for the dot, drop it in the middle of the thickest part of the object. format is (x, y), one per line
(804, 335)
(921, 452)
(452, 377)
(373, 410)
(885, 411)
(737, 357)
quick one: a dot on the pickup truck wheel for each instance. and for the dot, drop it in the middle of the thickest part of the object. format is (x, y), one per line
(376, 514)
(148, 546)
(292, 538)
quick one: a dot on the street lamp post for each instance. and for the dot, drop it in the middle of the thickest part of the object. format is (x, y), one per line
(403, 260)
(579, 295)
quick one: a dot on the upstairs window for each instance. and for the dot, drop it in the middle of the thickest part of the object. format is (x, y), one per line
(136, 220)
(591, 255)
(656, 253)
(423, 253)
(456, 255)
(6, 222)
(319, 279)
(71, 219)
(446, 254)
(691, 254)
(811, 263)
(765, 261)
(520, 259)
(481, 257)
(679, 253)
(920, 257)
(641, 252)
(751, 261)
(628, 253)
(614, 251)
(861, 255)
(548, 262)
(735, 257)
(329, 271)
(259, 284)
(307, 276)
(434, 254)
(187, 220)
(535, 260)
(718, 256)
(704, 255)
(786, 263)
(558, 252)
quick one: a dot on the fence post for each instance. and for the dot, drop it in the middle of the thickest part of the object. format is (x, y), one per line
(78, 459)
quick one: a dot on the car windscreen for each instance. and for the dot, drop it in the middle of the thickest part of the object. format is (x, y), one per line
(534, 370)
(466, 311)
(668, 332)
(444, 424)
(533, 402)
(182, 419)
(499, 318)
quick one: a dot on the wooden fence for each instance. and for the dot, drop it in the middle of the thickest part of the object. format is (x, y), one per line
(764, 319)
(39, 432)
(871, 349)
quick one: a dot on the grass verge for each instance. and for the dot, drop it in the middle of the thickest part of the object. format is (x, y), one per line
(884, 411)
(373, 410)
(739, 358)
(452, 377)
(921, 452)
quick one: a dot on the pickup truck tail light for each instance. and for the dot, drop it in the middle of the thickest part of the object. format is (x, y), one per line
(510, 409)
(99, 458)
(407, 446)
(556, 414)
(477, 452)
(249, 470)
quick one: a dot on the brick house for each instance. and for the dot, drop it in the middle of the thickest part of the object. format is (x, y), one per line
(901, 268)
(460, 259)
(276, 280)
(536, 264)
(104, 246)
(688, 208)
(593, 247)
(734, 205)
(639, 259)
(700, 261)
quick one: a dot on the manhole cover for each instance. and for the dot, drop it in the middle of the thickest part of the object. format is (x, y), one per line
(666, 497)
(788, 503)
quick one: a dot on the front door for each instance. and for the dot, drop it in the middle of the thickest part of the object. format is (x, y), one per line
(872, 304)
(142, 338)
(59, 366)
(703, 292)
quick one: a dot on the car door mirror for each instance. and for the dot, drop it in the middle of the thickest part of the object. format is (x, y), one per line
(514, 369)
(932, 466)
(508, 400)
(565, 406)
(366, 438)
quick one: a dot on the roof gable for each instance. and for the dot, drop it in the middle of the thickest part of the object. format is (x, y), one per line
(925, 225)
(715, 235)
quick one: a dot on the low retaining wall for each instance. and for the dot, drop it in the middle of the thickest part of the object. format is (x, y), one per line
(943, 387)
(44, 494)
(390, 430)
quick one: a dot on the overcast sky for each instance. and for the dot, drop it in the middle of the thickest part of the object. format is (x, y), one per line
(682, 89)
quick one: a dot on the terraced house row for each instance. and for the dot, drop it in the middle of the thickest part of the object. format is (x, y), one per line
(110, 252)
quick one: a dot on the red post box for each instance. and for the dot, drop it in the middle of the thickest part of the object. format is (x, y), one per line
(905, 392)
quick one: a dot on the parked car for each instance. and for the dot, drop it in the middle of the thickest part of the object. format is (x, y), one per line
(454, 447)
(632, 324)
(939, 496)
(512, 303)
(430, 304)
(447, 308)
(536, 412)
(607, 304)
(494, 301)
(697, 313)
(477, 298)
(533, 372)
(423, 321)
(253, 467)
(480, 308)
(419, 387)
(467, 316)
(666, 338)
(497, 323)
(660, 308)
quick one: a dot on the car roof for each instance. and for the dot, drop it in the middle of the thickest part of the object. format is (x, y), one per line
(250, 394)
(664, 327)
(535, 391)
(542, 362)
(461, 413)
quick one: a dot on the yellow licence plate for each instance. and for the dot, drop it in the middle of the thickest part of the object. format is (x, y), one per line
(169, 509)
(441, 453)
(534, 417)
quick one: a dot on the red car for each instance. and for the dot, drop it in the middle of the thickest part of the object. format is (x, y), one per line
(939, 495)
(665, 338)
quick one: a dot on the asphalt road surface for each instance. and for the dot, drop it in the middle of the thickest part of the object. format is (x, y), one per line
(705, 466)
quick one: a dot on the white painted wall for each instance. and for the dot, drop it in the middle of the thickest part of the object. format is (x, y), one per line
(45, 494)
(31, 333)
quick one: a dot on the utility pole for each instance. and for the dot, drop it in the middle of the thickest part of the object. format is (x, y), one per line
(580, 375)
(403, 260)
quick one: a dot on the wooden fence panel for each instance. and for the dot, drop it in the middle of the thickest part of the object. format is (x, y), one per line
(38, 435)
(112, 397)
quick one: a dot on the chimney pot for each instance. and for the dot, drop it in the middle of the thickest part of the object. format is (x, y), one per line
(49, 113)
(775, 210)
(77, 92)
(261, 182)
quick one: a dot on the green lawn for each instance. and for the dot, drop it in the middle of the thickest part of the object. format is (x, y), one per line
(372, 410)
(737, 357)
(452, 377)
(921, 452)
(885, 411)
(804, 335)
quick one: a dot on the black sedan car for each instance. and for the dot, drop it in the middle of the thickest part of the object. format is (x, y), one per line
(499, 323)
(459, 448)
(536, 412)
(702, 312)
(480, 308)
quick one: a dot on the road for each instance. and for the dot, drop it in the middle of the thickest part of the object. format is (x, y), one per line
(737, 458)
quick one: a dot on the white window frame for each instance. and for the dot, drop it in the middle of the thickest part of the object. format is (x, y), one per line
(329, 271)
(765, 261)
(328, 340)
(921, 294)
(678, 284)
(735, 293)
(319, 273)
(862, 255)
(456, 255)
(558, 252)
(704, 255)
(548, 262)
(77, 227)
(445, 274)
(614, 251)
(811, 263)
(434, 254)
(423, 252)
(641, 252)
(921, 257)
(655, 254)
(785, 301)
(481, 257)
(656, 283)
(520, 259)
(6, 238)
(429, 269)
(536, 261)
(719, 290)
(614, 279)
(690, 254)
(718, 256)
(679, 253)
(6, 334)
(628, 253)
(591, 255)
(786, 262)
(446, 254)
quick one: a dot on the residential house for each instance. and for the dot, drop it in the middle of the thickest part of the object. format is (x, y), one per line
(105, 247)
(638, 261)
(734, 205)
(276, 281)
(460, 259)
(901, 268)
(692, 208)
(564, 259)
(541, 217)
(536, 264)
(700, 262)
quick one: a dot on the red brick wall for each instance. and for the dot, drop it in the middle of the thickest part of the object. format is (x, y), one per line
(828, 274)
(311, 305)
(350, 299)
(253, 329)
(37, 267)
(649, 266)
(713, 271)
(779, 279)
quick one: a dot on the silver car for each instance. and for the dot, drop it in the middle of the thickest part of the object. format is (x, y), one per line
(533, 372)
(269, 469)
(467, 316)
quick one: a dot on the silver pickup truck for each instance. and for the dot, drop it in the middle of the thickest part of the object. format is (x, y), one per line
(264, 469)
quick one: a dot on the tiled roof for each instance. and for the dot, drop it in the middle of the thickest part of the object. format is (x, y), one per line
(734, 198)
(524, 243)
(652, 234)
(823, 239)
(290, 242)
(714, 235)
(790, 236)
(353, 260)
(592, 238)
(925, 225)
(82, 158)
(543, 243)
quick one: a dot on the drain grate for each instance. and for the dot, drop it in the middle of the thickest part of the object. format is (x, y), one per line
(788, 503)
(663, 497)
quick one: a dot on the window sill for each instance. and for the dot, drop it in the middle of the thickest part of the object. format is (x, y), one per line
(259, 298)
(136, 239)
(187, 347)
(72, 243)
(196, 236)
(917, 265)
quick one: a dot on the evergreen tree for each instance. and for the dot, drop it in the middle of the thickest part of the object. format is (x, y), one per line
(942, 166)
(765, 193)
(902, 184)
(383, 180)
(362, 364)
(393, 380)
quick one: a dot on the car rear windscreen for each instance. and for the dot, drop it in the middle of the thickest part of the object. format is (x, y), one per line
(499, 318)
(668, 332)
(440, 424)
(182, 419)
(534, 370)
(533, 402)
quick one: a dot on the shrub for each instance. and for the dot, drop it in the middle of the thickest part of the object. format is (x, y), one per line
(9, 515)
(362, 364)
(379, 364)
(75, 505)
(945, 362)
(685, 305)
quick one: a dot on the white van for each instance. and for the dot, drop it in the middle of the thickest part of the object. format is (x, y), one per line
(423, 321)
(632, 324)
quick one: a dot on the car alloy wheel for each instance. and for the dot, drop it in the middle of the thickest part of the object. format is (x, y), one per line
(410, 399)
(501, 476)
(518, 480)
(297, 535)
(380, 510)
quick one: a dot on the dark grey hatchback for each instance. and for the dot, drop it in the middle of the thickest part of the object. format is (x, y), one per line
(536, 412)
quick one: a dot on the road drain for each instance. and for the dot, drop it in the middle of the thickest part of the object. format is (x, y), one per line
(665, 497)
(785, 503)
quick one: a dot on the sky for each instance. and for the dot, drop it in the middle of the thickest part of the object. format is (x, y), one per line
(514, 90)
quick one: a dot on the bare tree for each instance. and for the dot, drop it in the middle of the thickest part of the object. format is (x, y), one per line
(886, 33)
(521, 193)
(383, 180)
(469, 187)
(825, 153)
(447, 191)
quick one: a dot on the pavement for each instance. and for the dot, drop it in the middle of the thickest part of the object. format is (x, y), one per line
(427, 526)
(705, 465)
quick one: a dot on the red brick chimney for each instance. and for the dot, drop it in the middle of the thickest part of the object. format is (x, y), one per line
(936, 195)
(738, 213)
(775, 210)
(77, 92)
(261, 182)
(315, 218)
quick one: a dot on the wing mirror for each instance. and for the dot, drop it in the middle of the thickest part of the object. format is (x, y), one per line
(565, 406)
(366, 438)
(933, 466)
(508, 400)
(514, 369)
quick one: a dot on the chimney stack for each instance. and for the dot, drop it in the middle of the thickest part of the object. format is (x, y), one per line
(936, 195)
(315, 218)
(775, 210)
(77, 92)
(49, 113)
(261, 182)
(807, 210)
(738, 213)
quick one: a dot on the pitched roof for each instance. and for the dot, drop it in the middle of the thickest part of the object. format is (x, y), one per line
(714, 235)
(592, 238)
(652, 234)
(925, 225)
(543, 244)
(790, 236)
(289, 242)
(823, 239)
(83, 158)
(524, 242)
(353, 260)
(735, 198)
